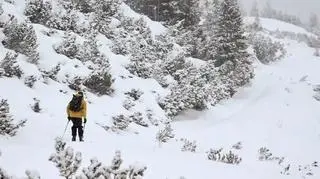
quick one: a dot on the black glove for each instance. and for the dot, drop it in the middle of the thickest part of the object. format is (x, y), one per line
(85, 120)
(69, 118)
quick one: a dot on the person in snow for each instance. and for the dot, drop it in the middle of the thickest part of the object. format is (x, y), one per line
(77, 111)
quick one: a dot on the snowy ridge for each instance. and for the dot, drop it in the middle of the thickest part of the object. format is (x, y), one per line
(277, 111)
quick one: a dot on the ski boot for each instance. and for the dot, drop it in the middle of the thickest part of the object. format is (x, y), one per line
(73, 138)
(81, 139)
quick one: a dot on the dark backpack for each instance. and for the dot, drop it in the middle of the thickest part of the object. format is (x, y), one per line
(75, 103)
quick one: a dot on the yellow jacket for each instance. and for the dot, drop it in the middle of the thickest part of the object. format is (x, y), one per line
(81, 113)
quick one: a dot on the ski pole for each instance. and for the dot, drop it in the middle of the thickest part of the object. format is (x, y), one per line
(65, 129)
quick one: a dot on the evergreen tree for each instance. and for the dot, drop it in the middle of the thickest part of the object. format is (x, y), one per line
(21, 38)
(231, 55)
(7, 126)
(314, 23)
(9, 66)
(38, 11)
(84, 6)
(66, 161)
(254, 10)
(68, 47)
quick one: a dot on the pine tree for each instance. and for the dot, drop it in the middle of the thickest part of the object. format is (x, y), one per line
(68, 47)
(84, 6)
(231, 55)
(314, 23)
(7, 126)
(254, 10)
(9, 66)
(21, 38)
(66, 161)
(38, 11)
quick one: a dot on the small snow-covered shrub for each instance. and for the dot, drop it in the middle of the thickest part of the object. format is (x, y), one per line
(230, 157)
(114, 171)
(138, 119)
(38, 11)
(266, 50)
(266, 155)
(237, 146)
(36, 106)
(128, 104)
(75, 83)
(165, 134)
(120, 122)
(68, 47)
(9, 66)
(151, 117)
(139, 69)
(52, 74)
(7, 125)
(188, 145)
(30, 80)
(21, 38)
(135, 94)
(99, 82)
(65, 159)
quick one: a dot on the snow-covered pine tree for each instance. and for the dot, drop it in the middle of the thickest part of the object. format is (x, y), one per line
(104, 10)
(69, 46)
(254, 9)
(95, 170)
(209, 26)
(165, 134)
(66, 161)
(84, 6)
(9, 66)
(99, 82)
(231, 55)
(120, 122)
(22, 38)
(38, 11)
(7, 125)
(1, 9)
(314, 24)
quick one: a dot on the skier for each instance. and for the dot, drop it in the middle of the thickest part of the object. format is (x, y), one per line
(77, 110)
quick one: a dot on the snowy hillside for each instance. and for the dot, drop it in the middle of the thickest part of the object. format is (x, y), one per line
(277, 110)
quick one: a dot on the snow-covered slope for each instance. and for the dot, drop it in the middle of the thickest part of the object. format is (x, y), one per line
(276, 111)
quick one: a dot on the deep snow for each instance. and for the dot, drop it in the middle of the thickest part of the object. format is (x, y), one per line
(276, 111)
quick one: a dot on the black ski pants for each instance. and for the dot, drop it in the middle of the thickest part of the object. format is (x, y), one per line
(77, 125)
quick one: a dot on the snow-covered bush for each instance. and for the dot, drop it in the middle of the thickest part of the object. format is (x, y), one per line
(190, 92)
(21, 38)
(99, 82)
(38, 11)
(135, 94)
(30, 80)
(75, 83)
(68, 47)
(267, 50)
(128, 103)
(165, 134)
(9, 66)
(36, 106)
(266, 155)
(7, 125)
(151, 117)
(237, 146)
(188, 145)
(137, 118)
(52, 74)
(230, 157)
(1, 9)
(114, 171)
(317, 52)
(120, 122)
(66, 161)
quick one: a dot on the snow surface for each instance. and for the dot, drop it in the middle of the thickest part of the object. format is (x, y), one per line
(277, 110)
(273, 25)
